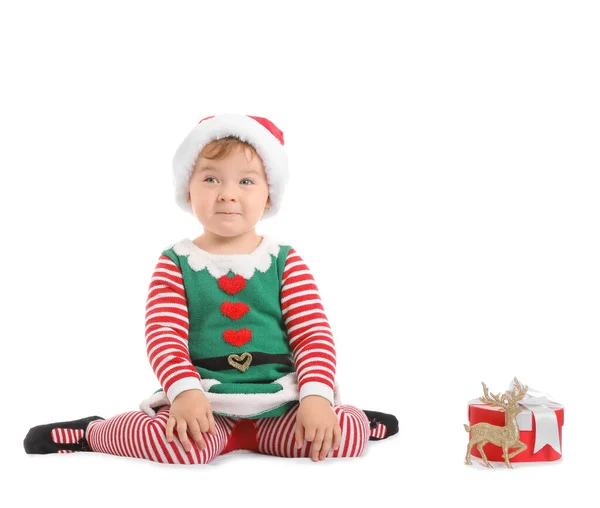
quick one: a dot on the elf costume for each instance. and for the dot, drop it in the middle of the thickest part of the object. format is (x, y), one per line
(246, 316)
(249, 330)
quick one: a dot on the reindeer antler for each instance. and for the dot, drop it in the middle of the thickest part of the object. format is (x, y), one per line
(517, 393)
(493, 400)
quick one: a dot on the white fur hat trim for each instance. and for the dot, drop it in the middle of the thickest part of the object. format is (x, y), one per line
(246, 129)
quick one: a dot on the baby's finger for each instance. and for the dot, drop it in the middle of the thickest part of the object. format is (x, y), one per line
(197, 435)
(309, 433)
(317, 444)
(337, 437)
(299, 433)
(204, 423)
(169, 429)
(182, 433)
(212, 427)
(326, 444)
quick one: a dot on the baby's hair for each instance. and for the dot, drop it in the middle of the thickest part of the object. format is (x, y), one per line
(221, 148)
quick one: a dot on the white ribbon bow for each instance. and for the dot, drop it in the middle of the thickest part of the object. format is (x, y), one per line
(540, 406)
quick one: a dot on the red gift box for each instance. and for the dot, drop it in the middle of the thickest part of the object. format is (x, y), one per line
(479, 412)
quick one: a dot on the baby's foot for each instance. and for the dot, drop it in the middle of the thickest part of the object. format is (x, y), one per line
(383, 425)
(61, 437)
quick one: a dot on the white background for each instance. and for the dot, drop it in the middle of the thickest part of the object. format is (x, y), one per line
(444, 192)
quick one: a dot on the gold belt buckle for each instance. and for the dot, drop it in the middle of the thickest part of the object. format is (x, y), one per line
(240, 362)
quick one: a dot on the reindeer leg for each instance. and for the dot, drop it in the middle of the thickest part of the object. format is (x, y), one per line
(468, 456)
(522, 448)
(480, 448)
(506, 456)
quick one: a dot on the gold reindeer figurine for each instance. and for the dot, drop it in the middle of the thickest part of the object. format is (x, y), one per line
(506, 437)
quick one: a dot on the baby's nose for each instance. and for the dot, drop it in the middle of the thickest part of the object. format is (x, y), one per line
(228, 192)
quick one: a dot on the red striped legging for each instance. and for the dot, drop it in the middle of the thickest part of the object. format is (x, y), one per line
(135, 434)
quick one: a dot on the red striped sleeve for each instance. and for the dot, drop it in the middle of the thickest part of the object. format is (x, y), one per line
(167, 328)
(308, 330)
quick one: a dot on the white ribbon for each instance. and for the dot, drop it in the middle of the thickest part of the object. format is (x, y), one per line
(540, 406)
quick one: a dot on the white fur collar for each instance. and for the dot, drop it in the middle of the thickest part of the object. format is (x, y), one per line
(219, 264)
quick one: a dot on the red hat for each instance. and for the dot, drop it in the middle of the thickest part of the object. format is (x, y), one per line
(259, 132)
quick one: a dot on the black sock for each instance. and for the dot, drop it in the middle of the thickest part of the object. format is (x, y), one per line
(383, 425)
(60, 437)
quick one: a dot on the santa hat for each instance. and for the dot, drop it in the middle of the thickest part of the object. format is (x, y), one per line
(259, 132)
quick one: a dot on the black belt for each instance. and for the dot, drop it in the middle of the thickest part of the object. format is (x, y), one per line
(242, 361)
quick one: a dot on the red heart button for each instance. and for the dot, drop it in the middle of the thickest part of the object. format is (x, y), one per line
(234, 310)
(232, 285)
(237, 337)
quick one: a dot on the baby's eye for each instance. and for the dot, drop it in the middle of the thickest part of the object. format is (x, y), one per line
(210, 178)
(247, 180)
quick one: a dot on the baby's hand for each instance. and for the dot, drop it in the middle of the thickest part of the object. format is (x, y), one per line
(316, 422)
(191, 410)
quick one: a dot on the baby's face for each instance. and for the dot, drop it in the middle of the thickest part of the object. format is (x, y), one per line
(228, 196)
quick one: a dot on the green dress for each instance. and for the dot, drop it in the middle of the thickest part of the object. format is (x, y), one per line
(237, 336)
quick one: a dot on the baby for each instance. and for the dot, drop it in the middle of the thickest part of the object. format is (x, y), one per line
(235, 329)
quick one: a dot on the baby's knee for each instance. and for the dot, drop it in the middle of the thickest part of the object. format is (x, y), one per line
(173, 451)
(355, 428)
(352, 415)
